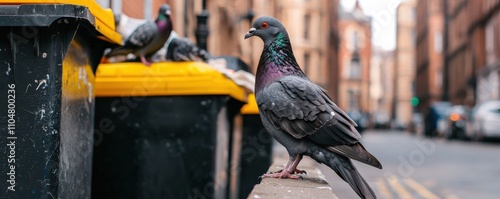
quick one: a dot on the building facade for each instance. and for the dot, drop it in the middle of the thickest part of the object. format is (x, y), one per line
(484, 50)
(429, 53)
(457, 63)
(302, 19)
(472, 54)
(315, 51)
(353, 72)
(333, 44)
(382, 87)
(404, 55)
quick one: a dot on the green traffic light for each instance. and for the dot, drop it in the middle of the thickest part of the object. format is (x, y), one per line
(414, 101)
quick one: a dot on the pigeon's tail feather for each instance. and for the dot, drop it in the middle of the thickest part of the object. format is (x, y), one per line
(357, 183)
(119, 51)
(346, 170)
(356, 152)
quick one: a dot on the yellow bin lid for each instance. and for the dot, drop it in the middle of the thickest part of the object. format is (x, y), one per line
(164, 79)
(250, 107)
(104, 19)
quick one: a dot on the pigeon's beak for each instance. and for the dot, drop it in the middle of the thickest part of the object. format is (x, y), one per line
(250, 33)
(168, 13)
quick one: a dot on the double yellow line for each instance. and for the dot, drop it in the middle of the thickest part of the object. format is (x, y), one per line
(399, 187)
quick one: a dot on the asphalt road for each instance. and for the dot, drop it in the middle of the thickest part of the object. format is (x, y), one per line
(416, 167)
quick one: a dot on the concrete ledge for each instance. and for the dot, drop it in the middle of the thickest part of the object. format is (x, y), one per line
(313, 185)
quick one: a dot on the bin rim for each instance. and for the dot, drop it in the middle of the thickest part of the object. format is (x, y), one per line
(164, 79)
(104, 18)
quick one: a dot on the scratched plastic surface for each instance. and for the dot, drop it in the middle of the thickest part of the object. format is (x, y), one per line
(50, 60)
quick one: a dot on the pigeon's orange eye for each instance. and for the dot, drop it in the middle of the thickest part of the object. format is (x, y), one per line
(264, 25)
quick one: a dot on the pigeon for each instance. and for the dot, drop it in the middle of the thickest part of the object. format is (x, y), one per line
(147, 38)
(182, 49)
(301, 115)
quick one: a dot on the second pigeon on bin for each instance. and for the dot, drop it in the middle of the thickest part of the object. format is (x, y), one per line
(147, 38)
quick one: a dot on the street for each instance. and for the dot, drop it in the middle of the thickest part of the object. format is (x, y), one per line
(415, 167)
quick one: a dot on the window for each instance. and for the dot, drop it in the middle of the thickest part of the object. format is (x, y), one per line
(438, 42)
(413, 37)
(355, 40)
(490, 43)
(439, 78)
(307, 26)
(353, 100)
(307, 58)
(355, 68)
(412, 13)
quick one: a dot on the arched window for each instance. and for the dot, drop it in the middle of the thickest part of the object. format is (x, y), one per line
(353, 99)
(355, 67)
(307, 25)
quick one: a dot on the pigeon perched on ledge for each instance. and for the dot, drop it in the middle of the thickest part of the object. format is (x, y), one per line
(301, 116)
(147, 38)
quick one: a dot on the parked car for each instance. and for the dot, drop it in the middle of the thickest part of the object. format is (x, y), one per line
(457, 122)
(360, 118)
(485, 121)
(381, 120)
(436, 118)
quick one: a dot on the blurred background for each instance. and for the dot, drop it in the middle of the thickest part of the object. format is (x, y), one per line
(389, 64)
(419, 72)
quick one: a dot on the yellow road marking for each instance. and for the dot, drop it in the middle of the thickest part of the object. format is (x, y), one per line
(382, 187)
(424, 192)
(399, 188)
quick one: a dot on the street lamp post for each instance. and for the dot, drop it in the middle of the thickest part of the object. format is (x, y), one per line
(202, 30)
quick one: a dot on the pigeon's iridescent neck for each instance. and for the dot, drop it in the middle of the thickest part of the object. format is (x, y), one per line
(277, 60)
(163, 25)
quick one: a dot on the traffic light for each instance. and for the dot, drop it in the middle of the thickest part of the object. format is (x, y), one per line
(414, 101)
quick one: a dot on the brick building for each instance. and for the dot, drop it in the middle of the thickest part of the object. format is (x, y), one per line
(382, 87)
(429, 53)
(353, 72)
(483, 49)
(229, 20)
(303, 19)
(457, 52)
(472, 54)
(404, 55)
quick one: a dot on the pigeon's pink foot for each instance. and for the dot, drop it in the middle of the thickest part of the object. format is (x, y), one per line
(145, 61)
(282, 174)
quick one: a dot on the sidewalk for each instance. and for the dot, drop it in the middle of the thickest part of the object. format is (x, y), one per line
(313, 185)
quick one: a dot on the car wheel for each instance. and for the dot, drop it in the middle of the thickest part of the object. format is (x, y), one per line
(460, 134)
(478, 135)
(450, 135)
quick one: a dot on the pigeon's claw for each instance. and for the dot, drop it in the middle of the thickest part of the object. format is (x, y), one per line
(145, 61)
(297, 171)
(282, 174)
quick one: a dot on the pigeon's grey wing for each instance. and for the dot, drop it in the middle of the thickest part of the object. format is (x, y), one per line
(142, 36)
(297, 106)
(302, 109)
